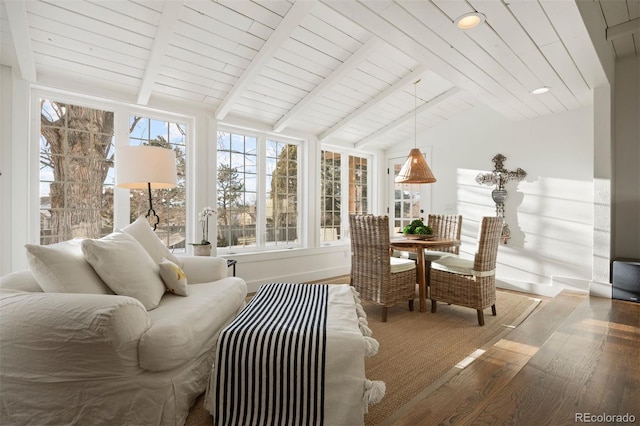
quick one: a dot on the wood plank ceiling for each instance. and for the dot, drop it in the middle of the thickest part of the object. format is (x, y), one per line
(343, 71)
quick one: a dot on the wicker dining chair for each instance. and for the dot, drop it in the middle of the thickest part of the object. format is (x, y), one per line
(444, 226)
(375, 274)
(466, 282)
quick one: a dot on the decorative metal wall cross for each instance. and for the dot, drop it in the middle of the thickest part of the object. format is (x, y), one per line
(499, 177)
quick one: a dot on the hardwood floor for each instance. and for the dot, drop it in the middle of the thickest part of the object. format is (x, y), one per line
(577, 355)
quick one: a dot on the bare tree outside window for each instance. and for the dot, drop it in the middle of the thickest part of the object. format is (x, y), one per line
(282, 199)
(257, 171)
(77, 175)
(230, 189)
(76, 172)
(237, 189)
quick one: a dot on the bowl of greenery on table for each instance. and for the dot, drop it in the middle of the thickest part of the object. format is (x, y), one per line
(417, 230)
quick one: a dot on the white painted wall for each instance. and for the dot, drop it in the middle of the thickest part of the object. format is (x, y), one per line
(5, 160)
(14, 197)
(550, 214)
(296, 265)
(626, 174)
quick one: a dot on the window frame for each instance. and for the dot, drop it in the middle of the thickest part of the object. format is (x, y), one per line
(122, 112)
(261, 244)
(187, 184)
(200, 168)
(345, 153)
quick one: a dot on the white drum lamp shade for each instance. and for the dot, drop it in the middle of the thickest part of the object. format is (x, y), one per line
(151, 167)
(139, 166)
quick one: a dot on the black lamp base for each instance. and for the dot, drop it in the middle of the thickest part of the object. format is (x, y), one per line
(151, 211)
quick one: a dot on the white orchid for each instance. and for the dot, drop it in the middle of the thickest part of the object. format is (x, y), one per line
(203, 217)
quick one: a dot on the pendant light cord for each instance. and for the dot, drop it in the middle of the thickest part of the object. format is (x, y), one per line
(415, 113)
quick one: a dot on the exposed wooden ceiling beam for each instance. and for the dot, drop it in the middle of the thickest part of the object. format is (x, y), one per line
(581, 65)
(626, 28)
(376, 24)
(396, 87)
(170, 15)
(19, 26)
(338, 74)
(409, 116)
(289, 23)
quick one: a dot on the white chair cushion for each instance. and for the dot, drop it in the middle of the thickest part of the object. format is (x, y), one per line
(61, 268)
(433, 255)
(405, 254)
(143, 233)
(126, 267)
(456, 265)
(401, 265)
(174, 278)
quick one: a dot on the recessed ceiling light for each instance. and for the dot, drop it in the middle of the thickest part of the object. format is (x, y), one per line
(540, 90)
(469, 20)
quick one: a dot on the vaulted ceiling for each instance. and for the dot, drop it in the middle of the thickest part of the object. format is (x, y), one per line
(344, 71)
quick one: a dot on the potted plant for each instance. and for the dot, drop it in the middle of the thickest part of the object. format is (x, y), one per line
(417, 230)
(203, 248)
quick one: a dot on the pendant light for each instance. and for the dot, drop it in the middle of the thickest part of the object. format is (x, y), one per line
(415, 169)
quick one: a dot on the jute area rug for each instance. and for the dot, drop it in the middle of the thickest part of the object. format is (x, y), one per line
(419, 350)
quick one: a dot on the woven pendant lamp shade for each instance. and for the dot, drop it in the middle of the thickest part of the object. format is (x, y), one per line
(415, 169)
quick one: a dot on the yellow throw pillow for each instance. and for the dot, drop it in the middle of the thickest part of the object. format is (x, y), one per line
(174, 278)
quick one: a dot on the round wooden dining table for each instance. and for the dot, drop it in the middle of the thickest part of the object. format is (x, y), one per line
(418, 247)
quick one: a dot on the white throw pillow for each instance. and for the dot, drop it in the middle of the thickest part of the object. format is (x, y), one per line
(126, 267)
(174, 278)
(144, 234)
(61, 268)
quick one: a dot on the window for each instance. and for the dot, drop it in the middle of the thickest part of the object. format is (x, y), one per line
(358, 201)
(76, 172)
(77, 176)
(169, 204)
(258, 191)
(335, 175)
(406, 202)
(282, 193)
(330, 196)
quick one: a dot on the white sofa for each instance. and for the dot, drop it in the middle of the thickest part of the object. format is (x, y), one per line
(73, 358)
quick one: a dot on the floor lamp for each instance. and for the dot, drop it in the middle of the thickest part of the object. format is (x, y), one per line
(151, 167)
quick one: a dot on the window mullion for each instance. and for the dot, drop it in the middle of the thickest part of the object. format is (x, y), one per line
(344, 196)
(261, 212)
(121, 204)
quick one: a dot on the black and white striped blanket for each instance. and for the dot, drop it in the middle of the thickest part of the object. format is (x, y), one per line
(272, 359)
(294, 356)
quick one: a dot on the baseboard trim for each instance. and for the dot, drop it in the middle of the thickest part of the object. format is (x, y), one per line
(556, 285)
(600, 289)
(316, 275)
